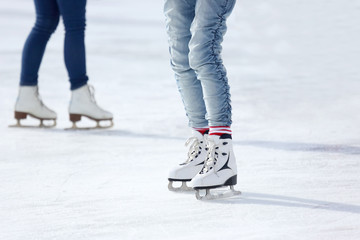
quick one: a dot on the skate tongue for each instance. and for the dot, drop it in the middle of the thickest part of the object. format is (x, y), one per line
(217, 138)
(197, 134)
(214, 138)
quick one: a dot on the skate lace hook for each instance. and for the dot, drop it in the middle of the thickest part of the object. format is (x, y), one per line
(193, 149)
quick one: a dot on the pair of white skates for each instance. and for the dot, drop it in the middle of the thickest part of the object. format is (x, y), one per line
(211, 164)
(82, 104)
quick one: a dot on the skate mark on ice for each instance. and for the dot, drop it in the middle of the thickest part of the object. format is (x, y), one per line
(304, 147)
(288, 201)
(110, 133)
(123, 133)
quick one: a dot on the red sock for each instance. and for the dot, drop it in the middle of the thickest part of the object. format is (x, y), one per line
(220, 130)
(202, 130)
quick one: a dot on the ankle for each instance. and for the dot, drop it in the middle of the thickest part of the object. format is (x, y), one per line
(222, 131)
(202, 130)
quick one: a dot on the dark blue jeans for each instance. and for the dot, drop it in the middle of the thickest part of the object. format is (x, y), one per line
(47, 18)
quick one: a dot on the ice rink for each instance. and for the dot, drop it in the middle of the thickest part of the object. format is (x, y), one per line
(294, 72)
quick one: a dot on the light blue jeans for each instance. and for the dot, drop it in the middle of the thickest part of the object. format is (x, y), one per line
(196, 29)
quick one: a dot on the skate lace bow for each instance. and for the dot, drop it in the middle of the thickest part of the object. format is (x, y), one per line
(193, 149)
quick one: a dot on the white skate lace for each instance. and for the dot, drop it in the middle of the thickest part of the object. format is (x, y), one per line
(193, 149)
(210, 158)
(92, 96)
(92, 93)
(37, 95)
(40, 100)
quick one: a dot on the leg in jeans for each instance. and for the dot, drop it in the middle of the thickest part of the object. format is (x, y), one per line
(73, 14)
(195, 54)
(82, 101)
(179, 16)
(47, 19)
(207, 30)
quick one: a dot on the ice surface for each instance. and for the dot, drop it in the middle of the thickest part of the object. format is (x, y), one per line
(294, 72)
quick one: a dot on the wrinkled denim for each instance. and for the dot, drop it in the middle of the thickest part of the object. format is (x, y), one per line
(47, 18)
(196, 29)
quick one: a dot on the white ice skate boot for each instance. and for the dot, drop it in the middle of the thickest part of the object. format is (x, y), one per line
(29, 103)
(184, 172)
(83, 104)
(219, 169)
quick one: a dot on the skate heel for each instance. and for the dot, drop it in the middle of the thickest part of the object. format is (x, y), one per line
(75, 117)
(20, 115)
(231, 181)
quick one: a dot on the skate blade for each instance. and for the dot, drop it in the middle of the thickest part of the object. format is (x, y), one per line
(84, 128)
(182, 188)
(41, 125)
(98, 126)
(217, 195)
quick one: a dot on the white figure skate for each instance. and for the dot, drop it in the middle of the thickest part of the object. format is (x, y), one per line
(184, 172)
(83, 104)
(29, 103)
(219, 169)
